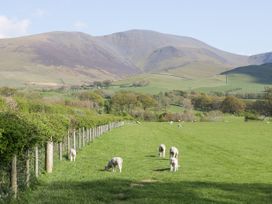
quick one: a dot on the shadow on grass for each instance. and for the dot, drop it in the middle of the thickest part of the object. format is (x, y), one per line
(126, 191)
(151, 156)
(163, 169)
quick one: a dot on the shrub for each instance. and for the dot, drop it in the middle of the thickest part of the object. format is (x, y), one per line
(232, 104)
(212, 116)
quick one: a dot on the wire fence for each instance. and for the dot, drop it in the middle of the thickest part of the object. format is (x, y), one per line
(23, 171)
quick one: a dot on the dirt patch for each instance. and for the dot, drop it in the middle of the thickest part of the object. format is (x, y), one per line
(148, 181)
(132, 185)
(120, 196)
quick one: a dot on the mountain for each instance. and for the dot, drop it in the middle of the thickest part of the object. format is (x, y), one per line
(153, 51)
(59, 58)
(258, 73)
(261, 58)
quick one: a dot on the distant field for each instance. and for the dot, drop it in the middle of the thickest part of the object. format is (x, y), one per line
(221, 162)
(162, 82)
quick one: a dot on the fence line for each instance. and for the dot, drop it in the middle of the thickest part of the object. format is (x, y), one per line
(25, 170)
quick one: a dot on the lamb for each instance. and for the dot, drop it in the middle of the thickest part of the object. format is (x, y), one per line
(174, 164)
(115, 161)
(72, 154)
(174, 152)
(162, 149)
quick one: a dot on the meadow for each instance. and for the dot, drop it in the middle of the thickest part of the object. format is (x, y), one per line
(220, 162)
(237, 83)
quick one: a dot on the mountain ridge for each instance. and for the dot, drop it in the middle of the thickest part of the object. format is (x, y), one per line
(81, 58)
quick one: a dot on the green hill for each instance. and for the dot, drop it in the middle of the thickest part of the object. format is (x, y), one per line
(258, 73)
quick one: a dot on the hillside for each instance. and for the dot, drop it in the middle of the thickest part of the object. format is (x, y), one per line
(261, 58)
(258, 73)
(66, 58)
(184, 56)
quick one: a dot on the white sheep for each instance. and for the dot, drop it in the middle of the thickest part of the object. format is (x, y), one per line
(115, 161)
(162, 149)
(72, 154)
(171, 122)
(174, 152)
(174, 164)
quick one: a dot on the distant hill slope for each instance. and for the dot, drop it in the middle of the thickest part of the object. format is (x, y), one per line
(260, 73)
(75, 58)
(261, 58)
(154, 52)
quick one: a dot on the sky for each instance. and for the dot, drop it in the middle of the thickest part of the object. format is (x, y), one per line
(238, 26)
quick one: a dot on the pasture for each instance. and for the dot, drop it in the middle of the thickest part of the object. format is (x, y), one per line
(220, 162)
(237, 83)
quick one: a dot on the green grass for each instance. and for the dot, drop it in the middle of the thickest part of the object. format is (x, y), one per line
(164, 82)
(223, 162)
(237, 83)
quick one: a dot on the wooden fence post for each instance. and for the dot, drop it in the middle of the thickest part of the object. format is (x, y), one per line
(13, 179)
(49, 156)
(79, 138)
(68, 144)
(83, 137)
(74, 138)
(60, 150)
(27, 169)
(36, 161)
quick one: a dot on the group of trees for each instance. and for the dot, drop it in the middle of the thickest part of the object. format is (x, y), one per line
(151, 107)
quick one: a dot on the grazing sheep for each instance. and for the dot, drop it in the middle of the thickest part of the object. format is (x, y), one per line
(171, 122)
(115, 161)
(179, 125)
(138, 122)
(72, 154)
(174, 152)
(162, 149)
(174, 164)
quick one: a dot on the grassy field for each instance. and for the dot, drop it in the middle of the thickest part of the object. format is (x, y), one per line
(224, 162)
(237, 83)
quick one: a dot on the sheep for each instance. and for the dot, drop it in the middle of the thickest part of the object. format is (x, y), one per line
(174, 152)
(138, 122)
(72, 154)
(162, 149)
(171, 122)
(115, 161)
(174, 164)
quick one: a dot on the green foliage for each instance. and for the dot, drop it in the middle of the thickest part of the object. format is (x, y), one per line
(7, 91)
(18, 133)
(202, 102)
(232, 104)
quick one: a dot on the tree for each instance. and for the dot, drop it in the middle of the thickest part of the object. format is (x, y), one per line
(146, 101)
(232, 104)
(202, 102)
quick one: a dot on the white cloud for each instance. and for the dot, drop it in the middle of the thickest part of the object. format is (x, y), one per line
(13, 27)
(79, 25)
(39, 12)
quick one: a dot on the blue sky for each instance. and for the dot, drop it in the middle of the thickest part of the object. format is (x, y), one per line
(242, 27)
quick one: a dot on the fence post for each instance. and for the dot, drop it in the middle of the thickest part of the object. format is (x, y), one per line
(13, 178)
(83, 137)
(49, 156)
(68, 144)
(27, 169)
(60, 150)
(79, 138)
(74, 138)
(36, 161)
